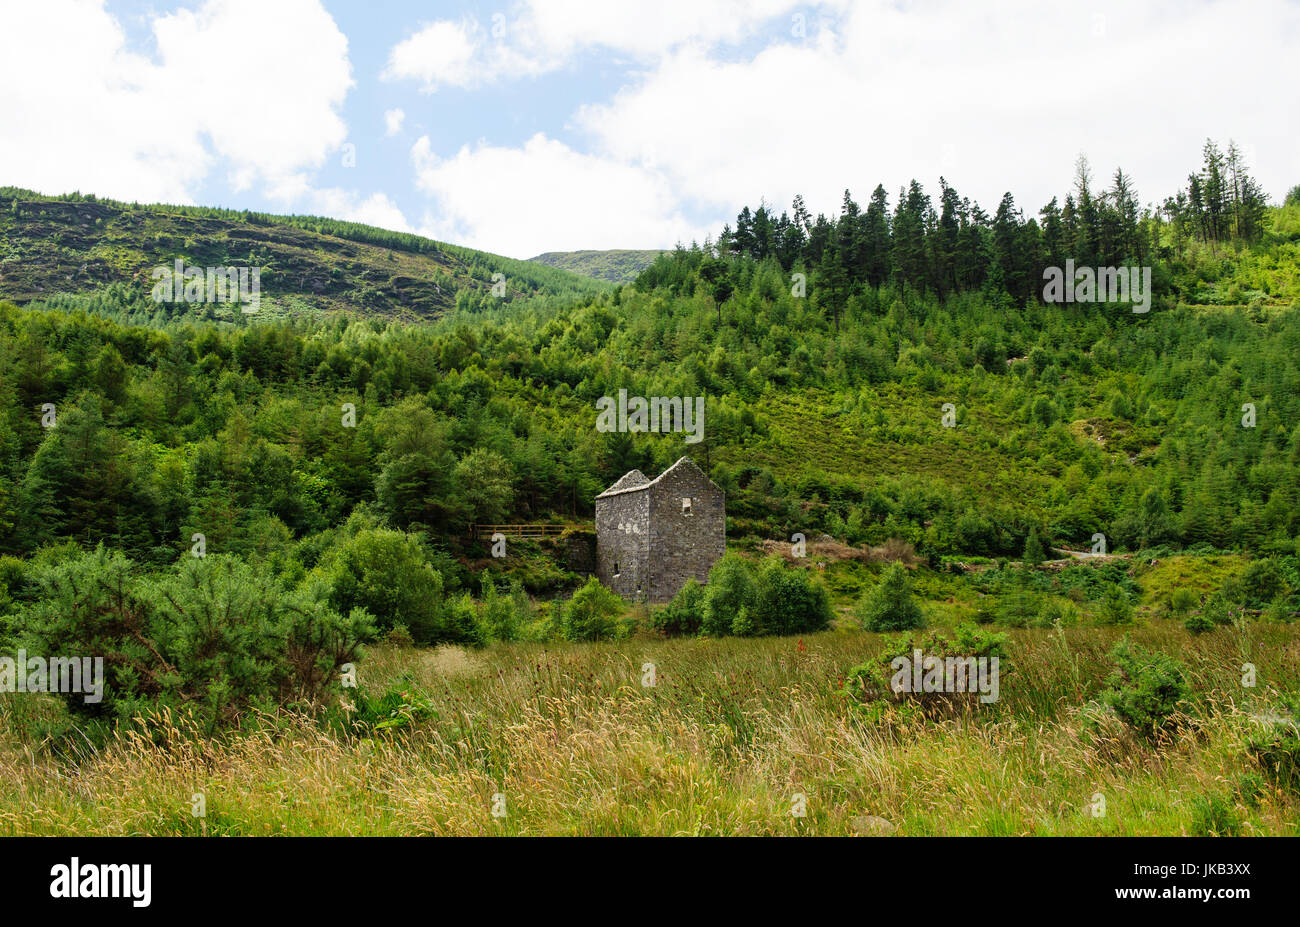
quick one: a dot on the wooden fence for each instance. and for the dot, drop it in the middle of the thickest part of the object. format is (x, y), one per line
(519, 531)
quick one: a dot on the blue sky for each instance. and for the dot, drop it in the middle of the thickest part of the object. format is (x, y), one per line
(533, 125)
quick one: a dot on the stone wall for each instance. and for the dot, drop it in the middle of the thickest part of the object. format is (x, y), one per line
(684, 545)
(623, 542)
(579, 550)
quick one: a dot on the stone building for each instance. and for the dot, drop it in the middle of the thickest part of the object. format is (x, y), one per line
(653, 535)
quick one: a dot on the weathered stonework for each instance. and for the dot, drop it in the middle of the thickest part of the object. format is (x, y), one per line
(653, 535)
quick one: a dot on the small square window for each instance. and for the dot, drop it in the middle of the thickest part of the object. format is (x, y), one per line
(686, 506)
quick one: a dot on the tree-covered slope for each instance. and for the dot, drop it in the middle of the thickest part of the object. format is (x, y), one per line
(961, 420)
(76, 244)
(614, 266)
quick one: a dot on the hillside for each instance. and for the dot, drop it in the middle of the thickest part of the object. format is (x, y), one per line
(614, 266)
(76, 244)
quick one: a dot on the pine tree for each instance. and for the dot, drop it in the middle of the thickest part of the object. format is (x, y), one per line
(875, 238)
(889, 605)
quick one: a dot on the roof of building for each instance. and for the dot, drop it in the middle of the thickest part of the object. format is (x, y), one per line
(635, 480)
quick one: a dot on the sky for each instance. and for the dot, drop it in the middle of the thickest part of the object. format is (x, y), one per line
(555, 125)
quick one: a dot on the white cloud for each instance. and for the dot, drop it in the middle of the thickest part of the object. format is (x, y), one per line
(251, 86)
(546, 197)
(539, 36)
(992, 103)
(376, 209)
(443, 52)
(393, 119)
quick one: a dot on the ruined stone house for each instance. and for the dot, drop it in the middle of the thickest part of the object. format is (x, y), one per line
(653, 535)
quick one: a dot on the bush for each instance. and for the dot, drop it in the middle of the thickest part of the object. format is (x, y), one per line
(1033, 554)
(592, 614)
(1182, 600)
(889, 606)
(398, 636)
(1279, 610)
(731, 590)
(1115, 608)
(874, 680)
(1146, 688)
(790, 600)
(214, 634)
(1277, 749)
(504, 616)
(1261, 583)
(1020, 607)
(1198, 623)
(1056, 613)
(465, 616)
(387, 573)
(684, 615)
(1218, 609)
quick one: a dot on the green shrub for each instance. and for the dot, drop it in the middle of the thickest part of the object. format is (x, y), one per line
(1198, 623)
(387, 573)
(592, 614)
(1115, 608)
(1218, 609)
(1056, 613)
(1182, 600)
(873, 682)
(889, 606)
(743, 625)
(731, 589)
(1277, 748)
(398, 636)
(1279, 610)
(504, 616)
(213, 634)
(464, 619)
(1146, 688)
(684, 615)
(1020, 607)
(790, 600)
(1033, 554)
(1262, 582)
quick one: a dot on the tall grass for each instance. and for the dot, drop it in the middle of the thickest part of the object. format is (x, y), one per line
(732, 731)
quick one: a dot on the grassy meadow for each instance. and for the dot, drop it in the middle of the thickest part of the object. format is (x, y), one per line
(730, 734)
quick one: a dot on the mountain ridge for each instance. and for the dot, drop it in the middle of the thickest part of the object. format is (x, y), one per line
(77, 244)
(617, 265)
